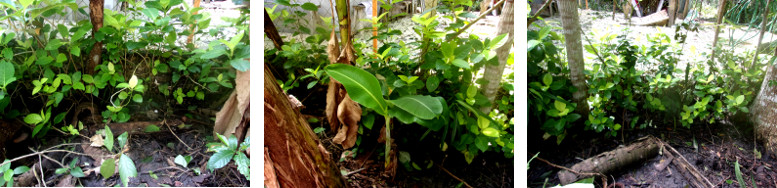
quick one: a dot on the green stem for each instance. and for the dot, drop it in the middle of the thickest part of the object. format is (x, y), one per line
(388, 140)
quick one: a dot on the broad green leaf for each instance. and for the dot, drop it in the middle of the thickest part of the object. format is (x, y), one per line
(547, 79)
(472, 90)
(483, 122)
(310, 7)
(126, 169)
(243, 164)
(421, 106)
(490, 132)
(122, 139)
(108, 138)
(362, 86)
(181, 160)
(133, 81)
(152, 128)
(560, 106)
(137, 98)
(532, 44)
(33, 119)
(543, 32)
(77, 172)
(220, 159)
(461, 63)
(20, 170)
(6, 73)
(216, 52)
(240, 64)
(107, 168)
(740, 99)
(25, 3)
(432, 83)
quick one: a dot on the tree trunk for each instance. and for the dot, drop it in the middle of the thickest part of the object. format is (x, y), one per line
(574, 46)
(761, 36)
(298, 158)
(96, 15)
(613, 161)
(686, 8)
(672, 12)
(763, 111)
(272, 32)
(721, 11)
(493, 73)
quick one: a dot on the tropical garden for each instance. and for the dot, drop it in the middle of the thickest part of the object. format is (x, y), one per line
(421, 99)
(123, 93)
(675, 93)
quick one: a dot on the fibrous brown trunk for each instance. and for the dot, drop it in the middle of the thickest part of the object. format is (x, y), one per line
(574, 46)
(763, 111)
(298, 158)
(96, 16)
(493, 73)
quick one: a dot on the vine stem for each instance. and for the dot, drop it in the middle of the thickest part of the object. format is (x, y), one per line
(388, 140)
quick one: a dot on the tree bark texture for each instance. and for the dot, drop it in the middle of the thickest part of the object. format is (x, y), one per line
(298, 158)
(493, 73)
(764, 111)
(614, 160)
(272, 32)
(96, 16)
(761, 36)
(574, 46)
(672, 10)
(721, 11)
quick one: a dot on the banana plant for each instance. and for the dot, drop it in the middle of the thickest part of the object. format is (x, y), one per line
(364, 89)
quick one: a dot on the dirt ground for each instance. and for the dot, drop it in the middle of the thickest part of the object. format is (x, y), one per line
(711, 149)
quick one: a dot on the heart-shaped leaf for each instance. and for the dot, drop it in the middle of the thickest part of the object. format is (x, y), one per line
(421, 106)
(362, 86)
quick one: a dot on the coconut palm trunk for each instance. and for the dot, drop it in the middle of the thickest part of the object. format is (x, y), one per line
(574, 46)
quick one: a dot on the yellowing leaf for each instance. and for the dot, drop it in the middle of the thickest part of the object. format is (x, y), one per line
(133, 82)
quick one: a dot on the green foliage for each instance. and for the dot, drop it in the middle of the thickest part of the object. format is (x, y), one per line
(228, 150)
(6, 173)
(45, 60)
(74, 170)
(631, 85)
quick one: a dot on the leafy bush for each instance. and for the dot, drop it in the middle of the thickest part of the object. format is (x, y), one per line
(626, 80)
(42, 61)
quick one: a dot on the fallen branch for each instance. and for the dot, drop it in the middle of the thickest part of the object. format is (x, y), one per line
(454, 176)
(477, 19)
(612, 161)
(695, 177)
(586, 174)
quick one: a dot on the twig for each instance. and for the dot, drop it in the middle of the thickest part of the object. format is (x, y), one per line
(355, 171)
(477, 19)
(534, 17)
(604, 178)
(454, 176)
(176, 136)
(40, 152)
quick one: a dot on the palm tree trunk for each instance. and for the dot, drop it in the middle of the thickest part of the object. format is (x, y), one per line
(574, 46)
(493, 73)
(763, 113)
(297, 158)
